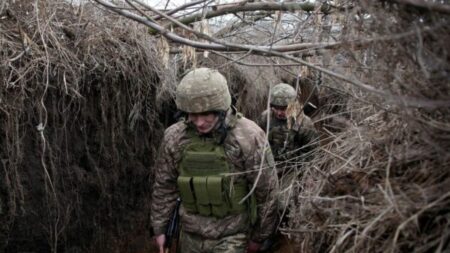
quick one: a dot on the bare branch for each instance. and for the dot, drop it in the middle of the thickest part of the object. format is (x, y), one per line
(278, 51)
(235, 26)
(224, 46)
(215, 45)
(429, 5)
(179, 8)
(243, 6)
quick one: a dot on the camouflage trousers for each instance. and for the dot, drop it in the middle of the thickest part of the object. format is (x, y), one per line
(191, 243)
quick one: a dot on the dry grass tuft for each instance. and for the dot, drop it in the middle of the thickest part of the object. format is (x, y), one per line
(380, 181)
(80, 123)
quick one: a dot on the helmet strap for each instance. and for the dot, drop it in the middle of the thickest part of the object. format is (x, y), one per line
(180, 116)
(222, 129)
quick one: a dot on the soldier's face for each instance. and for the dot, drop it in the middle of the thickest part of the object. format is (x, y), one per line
(204, 122)
(279, 111)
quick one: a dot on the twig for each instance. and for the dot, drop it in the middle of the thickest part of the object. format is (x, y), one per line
(427, 5)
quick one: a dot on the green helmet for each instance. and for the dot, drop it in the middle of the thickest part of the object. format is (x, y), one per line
(203, 90)
(282, 94)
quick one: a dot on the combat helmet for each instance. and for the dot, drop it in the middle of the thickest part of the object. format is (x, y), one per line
(282, 94)
(203, 90)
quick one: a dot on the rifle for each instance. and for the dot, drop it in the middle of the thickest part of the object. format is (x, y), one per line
(173, 229)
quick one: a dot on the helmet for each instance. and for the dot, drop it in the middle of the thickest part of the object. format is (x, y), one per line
(282, 94)
(203, 90)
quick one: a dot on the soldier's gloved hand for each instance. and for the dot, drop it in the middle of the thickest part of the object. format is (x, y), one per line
(253, 247)
(160, 241)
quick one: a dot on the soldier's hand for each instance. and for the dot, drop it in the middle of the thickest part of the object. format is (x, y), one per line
(253, 247)
(160, 241)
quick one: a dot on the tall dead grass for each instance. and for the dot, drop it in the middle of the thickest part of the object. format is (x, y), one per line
(79, 123)
(380, 181)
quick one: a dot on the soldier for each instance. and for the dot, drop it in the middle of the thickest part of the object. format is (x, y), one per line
(290, 136)
(212, 160)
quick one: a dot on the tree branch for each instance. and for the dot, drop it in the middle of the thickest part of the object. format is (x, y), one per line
(429, 5)
(243, 6)
(278, 51)
(215, 45)
(182, 7)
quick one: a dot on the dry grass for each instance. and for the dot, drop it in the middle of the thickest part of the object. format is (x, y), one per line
(380, 180)
(81, 116)
(79, 123)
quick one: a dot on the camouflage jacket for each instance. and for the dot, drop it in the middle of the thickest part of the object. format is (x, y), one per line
(244, 146)
(289, 142)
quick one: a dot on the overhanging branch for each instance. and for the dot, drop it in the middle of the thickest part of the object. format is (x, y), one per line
(180, 8)
(214, 45)
(428, 5)
(277, 51)
(243, 6)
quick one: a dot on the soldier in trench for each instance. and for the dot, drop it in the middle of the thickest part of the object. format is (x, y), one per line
(211, 160)
(292, 137)
(291, 133)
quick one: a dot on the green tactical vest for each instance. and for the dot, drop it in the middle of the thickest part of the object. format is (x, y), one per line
(204, 188)
(281, 139)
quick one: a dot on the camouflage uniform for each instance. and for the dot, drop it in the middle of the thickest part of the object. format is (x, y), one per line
(244, 146)
(227, 244)
(289, 144)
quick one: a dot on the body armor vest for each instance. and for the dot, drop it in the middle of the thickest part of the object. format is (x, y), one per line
(281, 139)
(204, 187)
